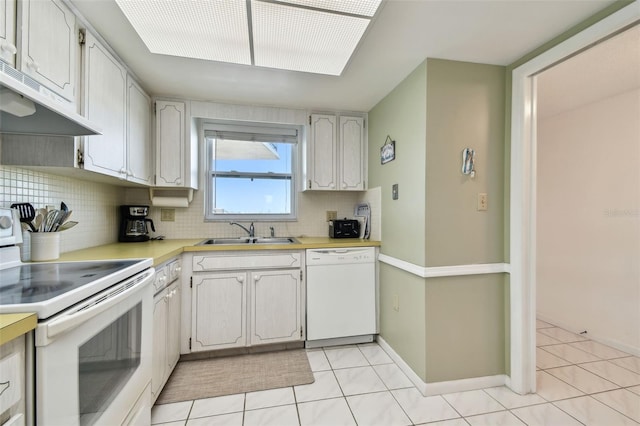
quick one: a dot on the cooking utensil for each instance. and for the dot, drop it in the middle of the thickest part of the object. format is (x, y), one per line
(27, 213)
(41, 214)
(62, 218)
(64, 207)
(67, 225)
(50, 220)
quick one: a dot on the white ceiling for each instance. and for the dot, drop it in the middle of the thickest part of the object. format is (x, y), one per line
(402, 35)
(609, 68)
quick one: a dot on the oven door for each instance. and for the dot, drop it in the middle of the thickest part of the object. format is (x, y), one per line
(93, 361)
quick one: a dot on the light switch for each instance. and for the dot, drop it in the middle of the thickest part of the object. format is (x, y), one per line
(483, 203)
(394, 191)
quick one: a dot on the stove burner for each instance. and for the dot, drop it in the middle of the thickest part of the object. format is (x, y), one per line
(37, 282)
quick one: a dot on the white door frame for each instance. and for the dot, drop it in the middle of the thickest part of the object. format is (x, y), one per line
(523, 190)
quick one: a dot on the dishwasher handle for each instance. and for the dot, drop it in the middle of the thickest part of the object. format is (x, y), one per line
(340, 256)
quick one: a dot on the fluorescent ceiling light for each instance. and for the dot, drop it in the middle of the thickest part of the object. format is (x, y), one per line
(317, 36)
(353, 7)
(303, 39)
(212, 30)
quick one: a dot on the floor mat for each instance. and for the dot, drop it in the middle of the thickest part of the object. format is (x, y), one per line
(236, 374)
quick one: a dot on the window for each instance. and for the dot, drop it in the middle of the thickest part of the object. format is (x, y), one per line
(251, 171)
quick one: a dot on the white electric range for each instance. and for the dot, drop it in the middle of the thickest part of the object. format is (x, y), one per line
(91, 350)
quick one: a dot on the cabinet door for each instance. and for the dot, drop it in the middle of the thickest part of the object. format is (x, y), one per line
(218, 311)
(323, 158)
(159, 359)
(139, 166)
(173, 325)
(170, 143)
(352, 153)
(275, 306)
(105, 83)
(8, 31)
(48, 45)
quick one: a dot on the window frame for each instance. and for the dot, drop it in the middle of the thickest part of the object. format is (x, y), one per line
(256, 128)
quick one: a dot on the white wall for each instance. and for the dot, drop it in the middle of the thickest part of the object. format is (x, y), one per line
(588, 242)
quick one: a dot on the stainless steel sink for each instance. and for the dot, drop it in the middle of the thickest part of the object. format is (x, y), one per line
(275, 240)
(248, 240)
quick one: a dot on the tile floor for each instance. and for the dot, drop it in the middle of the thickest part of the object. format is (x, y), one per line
(580, 382)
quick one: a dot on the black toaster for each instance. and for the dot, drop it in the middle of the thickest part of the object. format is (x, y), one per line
(344, 228)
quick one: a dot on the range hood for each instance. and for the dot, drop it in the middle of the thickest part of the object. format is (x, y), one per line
(25, 108)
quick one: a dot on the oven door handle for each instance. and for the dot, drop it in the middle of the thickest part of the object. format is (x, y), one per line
(98, 304)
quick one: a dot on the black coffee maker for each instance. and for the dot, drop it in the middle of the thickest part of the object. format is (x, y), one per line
(133, 224)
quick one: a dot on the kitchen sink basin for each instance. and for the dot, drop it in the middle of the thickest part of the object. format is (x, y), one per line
(247, 240)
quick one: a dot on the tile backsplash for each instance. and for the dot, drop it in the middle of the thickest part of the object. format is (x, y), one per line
(189, 222)
(95, 207)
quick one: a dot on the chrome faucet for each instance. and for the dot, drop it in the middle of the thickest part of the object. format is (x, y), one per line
(251, 231)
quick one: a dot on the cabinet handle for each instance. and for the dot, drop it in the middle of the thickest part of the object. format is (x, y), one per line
(9, 48)
(241, 279)
(256, 277)
(129, 173)
(344, 185)
(331, 185)
(178, 181)
(34, 65)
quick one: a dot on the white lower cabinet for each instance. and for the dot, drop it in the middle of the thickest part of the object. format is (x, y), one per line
(275, 307)
(219, 311)
(166, 328)
(238, 306)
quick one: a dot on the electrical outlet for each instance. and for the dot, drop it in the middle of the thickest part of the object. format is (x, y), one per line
(394, 191)
(332, 215)
(396, 303)
(483, 203)
(168, 215)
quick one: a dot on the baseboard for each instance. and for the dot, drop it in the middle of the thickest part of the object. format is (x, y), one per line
(439, 388)
(631, 350)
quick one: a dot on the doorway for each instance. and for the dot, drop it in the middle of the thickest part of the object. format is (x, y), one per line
(524, 180)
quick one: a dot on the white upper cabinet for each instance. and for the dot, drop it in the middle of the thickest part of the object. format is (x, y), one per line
(8, 31)
(336, 153)
(352, 154)
(323, 153)
(176, 146)
(139, 152)
(48, 45)
(105, 84)
(114, 101)
(170, 143)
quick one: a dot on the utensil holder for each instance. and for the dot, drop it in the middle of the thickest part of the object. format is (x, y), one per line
(45, 246)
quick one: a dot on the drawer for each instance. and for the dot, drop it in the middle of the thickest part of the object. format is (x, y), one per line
(175, 268)
(161, 279)
(246, 261)
(10, 380)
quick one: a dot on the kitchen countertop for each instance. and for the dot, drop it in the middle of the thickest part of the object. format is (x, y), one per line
(161, 251)
(15, 325)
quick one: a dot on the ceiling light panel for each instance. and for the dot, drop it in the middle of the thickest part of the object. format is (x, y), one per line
(299, 39)
(354, 7)
(211, 30)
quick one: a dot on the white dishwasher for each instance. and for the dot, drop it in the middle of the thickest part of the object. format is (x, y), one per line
(341, 295)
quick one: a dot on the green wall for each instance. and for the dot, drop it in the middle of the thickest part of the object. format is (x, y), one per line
(465, 108)
(445, 328)
(454, 327)
(401, 116)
